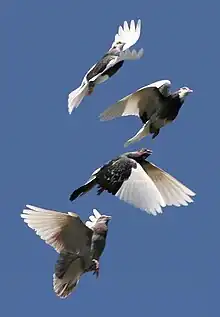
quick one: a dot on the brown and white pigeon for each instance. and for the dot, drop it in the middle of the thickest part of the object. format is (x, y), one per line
(109, 64)
(138, 182)
(79, 245)
(153, 104)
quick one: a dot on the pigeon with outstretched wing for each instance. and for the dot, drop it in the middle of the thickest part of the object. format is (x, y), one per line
(154, 104)
(110, 63)
(79, 245)
(138, 182)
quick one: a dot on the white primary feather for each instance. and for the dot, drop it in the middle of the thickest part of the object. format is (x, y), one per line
(128, 35)
(93, 219)
(140, 191)
(60, 230)
(128, 105)
(172, 191)
(47, 224)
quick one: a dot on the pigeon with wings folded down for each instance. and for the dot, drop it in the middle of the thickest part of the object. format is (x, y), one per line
(153, 104)
(138, 182)
(109, 64)
(79, 245)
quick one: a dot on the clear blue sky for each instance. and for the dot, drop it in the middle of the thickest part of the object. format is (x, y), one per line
(152, 266)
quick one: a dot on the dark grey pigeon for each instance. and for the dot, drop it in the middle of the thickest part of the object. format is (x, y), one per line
(79, 245)
(109, 64)
(153, 104)
(138, 182)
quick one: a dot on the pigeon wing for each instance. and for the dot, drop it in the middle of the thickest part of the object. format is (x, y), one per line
(61, 231)
(172, 191)
(140, 191)
(146, 99)
(128, 35)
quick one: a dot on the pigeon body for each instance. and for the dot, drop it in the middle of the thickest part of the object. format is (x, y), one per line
(109, 64)
(79, 245)
(138, 182)
(102, 65)
(153, 104)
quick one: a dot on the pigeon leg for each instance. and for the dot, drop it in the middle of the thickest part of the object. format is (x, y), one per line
(96, 271)
(156, 134)
(91, 87)
(94, 267)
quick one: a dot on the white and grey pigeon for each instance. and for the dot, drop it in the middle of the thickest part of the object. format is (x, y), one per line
(110, 63)
(154, 104)
(138, 182)
(79, 245)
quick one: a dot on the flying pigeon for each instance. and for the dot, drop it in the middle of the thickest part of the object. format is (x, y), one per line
(153, 104)
(79, 245)
(110, 63)
(138, 182)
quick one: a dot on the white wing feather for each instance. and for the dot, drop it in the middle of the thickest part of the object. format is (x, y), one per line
(172, 191)
(47, 223)
(128, 105)
(140, 191)
(59, 230)
(128, 35)
(92, 219)
(159, 84)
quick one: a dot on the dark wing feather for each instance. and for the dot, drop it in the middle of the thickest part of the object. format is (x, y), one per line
(100, 67)
(112, 175)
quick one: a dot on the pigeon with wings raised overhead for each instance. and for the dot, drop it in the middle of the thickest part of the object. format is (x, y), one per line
(136, 181)
(110, 63)
(79, 245)
(154, 104)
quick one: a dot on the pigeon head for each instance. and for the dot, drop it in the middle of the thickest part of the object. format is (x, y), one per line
(183, 92)
(142, 154)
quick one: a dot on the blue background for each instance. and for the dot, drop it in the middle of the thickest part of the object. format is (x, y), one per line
(152, 266)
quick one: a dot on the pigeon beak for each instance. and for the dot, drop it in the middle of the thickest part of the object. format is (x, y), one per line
(108, 217)
(190, 90)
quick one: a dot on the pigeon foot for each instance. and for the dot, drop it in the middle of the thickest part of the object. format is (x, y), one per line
(96, 270)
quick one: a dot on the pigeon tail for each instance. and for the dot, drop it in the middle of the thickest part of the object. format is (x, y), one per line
(67, 274)
(83, 189)
(144, 131)
(76, 96)
(63, 288)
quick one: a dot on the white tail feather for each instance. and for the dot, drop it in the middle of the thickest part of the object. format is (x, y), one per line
(64, 286)
(129, 35)
(76, 97)
(144, 131)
